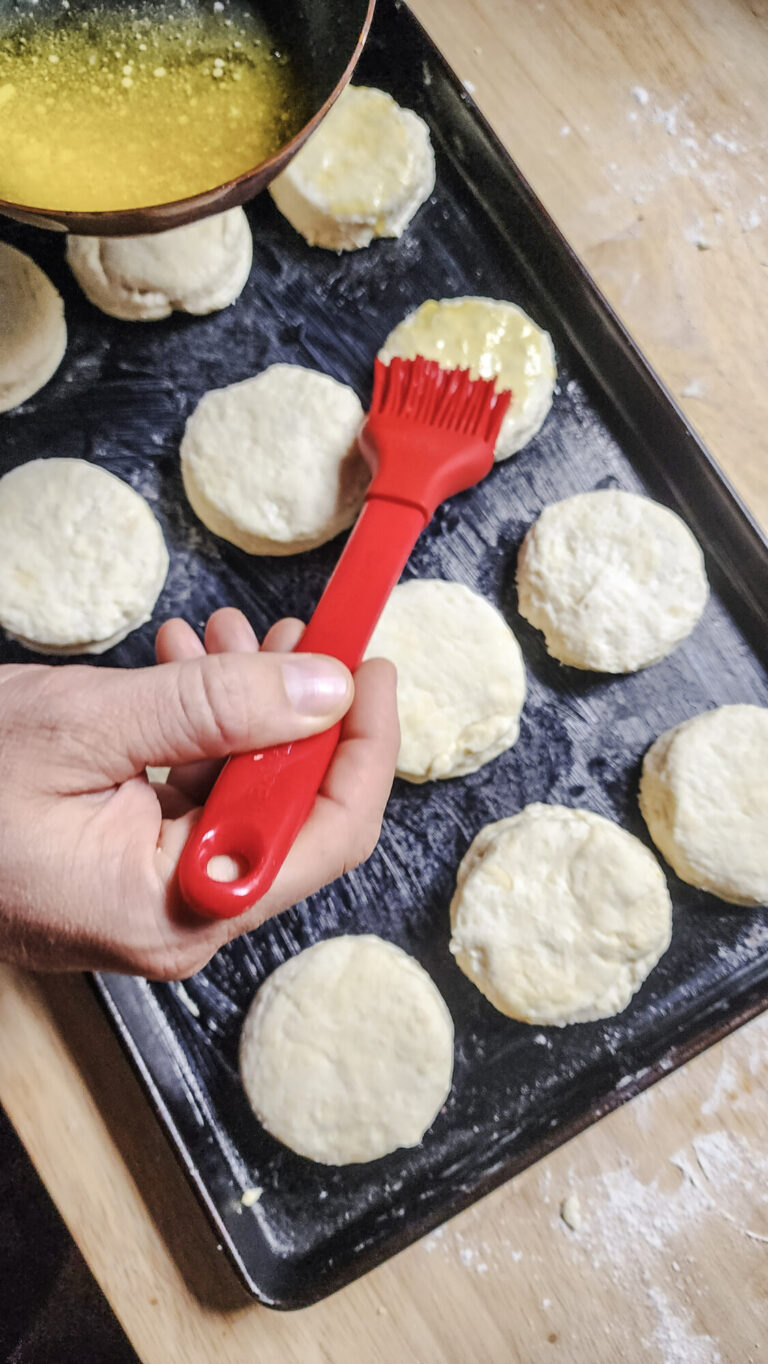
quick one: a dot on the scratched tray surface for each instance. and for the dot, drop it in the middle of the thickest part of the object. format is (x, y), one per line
(121, 398)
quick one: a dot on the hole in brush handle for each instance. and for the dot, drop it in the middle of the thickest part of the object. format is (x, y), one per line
(252, 817)
(223, 869)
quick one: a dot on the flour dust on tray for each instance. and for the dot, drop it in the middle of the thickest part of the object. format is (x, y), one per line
(198, 268)
(704, 797)
(82, 557)
(614, 580)
(346, 1053)
(559, 915)
(460, 678)
(33, 333)
(493, 340)
(272, 465)
(362, 174)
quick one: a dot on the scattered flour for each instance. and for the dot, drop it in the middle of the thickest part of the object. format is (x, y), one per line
(697, 234)
(431, 1242)
(749, 221)
(627, 1232)
(750, 946)
(722, 1166)
(638, 1235)
(675, 1338)
(667, 118)
(689, 150)
(469, 1257)
(729, 144)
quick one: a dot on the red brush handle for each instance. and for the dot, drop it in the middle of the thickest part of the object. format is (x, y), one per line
(261, 800)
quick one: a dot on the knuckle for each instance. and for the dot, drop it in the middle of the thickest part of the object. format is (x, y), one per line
(215, 700)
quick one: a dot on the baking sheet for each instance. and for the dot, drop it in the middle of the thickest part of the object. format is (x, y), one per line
(121, 398)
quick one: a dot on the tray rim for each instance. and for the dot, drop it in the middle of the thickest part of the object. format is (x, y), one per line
(676, 1057)
(113, 991)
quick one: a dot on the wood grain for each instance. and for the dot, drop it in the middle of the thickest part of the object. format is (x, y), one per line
(642, 129)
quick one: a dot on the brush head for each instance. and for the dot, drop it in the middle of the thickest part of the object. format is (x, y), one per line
(430, 432)
(422, 392)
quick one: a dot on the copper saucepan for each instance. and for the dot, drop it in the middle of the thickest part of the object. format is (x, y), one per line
(326, 36)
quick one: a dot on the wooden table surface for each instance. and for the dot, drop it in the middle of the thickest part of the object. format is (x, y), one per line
(642, 128)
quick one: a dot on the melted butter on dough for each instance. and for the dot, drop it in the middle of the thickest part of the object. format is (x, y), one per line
(361, 175)
(493, 340)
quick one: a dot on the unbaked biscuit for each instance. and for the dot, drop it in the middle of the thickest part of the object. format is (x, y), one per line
(559, 915)
(82, 557)
(271, 464)
(198, 268)
(460, 678)
(614, 580)
(346, 1053)
(33, 333)
(704, 797)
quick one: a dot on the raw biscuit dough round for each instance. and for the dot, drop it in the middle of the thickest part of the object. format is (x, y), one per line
(82, 558)
(272, 465)
(460, 678)
(346, 1053)
(559, 915)
(33, 333)
(363, 174)
(704, 797)
(614, 580)
(198, 268)
(493, 340)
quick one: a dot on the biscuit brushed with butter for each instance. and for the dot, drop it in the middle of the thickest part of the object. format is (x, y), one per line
(362, 174)
(493, 340)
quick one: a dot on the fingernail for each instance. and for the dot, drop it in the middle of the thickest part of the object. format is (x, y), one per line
(315, 685)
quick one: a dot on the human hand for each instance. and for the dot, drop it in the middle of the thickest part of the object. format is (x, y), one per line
(89, 847)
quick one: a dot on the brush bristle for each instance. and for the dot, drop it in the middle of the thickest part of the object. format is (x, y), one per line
(423, 393)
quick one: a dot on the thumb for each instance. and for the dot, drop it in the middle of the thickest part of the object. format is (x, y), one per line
(213, 706)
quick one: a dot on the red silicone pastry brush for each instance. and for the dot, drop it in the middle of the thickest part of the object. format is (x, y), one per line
(430, 433)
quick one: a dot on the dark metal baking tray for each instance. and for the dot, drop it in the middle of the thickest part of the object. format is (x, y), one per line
(121, 398)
